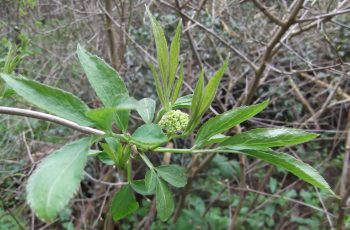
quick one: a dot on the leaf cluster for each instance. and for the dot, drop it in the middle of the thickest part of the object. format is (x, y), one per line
(58, 176)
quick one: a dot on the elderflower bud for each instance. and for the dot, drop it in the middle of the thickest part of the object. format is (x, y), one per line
(174, 121)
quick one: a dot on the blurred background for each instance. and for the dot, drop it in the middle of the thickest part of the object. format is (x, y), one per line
(294, 52)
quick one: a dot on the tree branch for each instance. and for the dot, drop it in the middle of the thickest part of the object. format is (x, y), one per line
(254, 84)
(201, 26)
(264, 10)
(51, 118)
(324, 16)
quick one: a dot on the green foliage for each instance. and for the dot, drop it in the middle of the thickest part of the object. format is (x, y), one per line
(53, 100)
(164, 200)
(183, 102)
(12, 221)
(56, 179)
(168, 61)
(58, 176)
(150, 181)
(103, 117)
(106, 82)
(227, 120)
(123, 203)
(149, 135)
(265, 137)
(293, 165)
(139, 186)
(173, 174)
(203, 97)
(146, 108)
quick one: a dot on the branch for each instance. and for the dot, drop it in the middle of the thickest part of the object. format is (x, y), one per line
(344, 191)
(324, 16)
(264, 10)
(201, 26)
(51, 118)
(111, 34)
(254, 84)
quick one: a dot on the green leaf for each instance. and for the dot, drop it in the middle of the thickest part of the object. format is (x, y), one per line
(178, 85)
(149, 135)
(126, 103)
(139, 186)
(121, 119)
(123, 203)
(196, 102)
(106, 82)
(53, 100)
(217, 138)
(103, 117)
(105, 158)
(227, 120)
(94, 152)
(113, 150)
(211, 88)
(164, 200)
(159, 87)
(56, 179)
(146, 108)
(266, 137)
(174, 54)
(162, 51)
(151, 181)
(173, 174)
(298, 168)
(183, 102)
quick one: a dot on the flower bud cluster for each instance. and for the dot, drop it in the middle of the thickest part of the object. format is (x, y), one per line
(174, 121)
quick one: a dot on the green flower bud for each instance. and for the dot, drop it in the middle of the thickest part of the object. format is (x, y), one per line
(174, 121)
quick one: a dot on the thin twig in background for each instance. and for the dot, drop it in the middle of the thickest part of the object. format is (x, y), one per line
(268, 54)
(344, 188)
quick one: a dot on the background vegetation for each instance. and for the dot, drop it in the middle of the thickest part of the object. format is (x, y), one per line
(296, 53)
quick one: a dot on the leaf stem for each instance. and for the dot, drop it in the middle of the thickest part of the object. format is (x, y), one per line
(189, 151)
(129, 169)
(147, 161)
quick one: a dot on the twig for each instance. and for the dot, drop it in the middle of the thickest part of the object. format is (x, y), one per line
(325, 209)
(111, 33)
(285, 198)
(193, 45)
(328, 15)
(234, 49)
(242, 185)
(304, 101)
(102, 206)
(254, 84)
(325, 105)
(51, 118)
(339, 91)
(104, 182)
(344, 193)
(264, 10)
(28, 149)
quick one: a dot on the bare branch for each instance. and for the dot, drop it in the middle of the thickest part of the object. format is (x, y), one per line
(324, 16)
(264, 10)
(254, 84)
(234, 49)
(51, 118)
